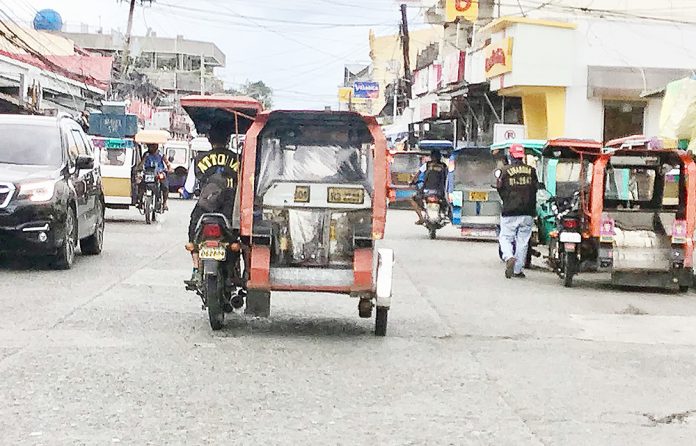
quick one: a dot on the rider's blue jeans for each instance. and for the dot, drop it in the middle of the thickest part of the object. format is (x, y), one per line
(517, 230)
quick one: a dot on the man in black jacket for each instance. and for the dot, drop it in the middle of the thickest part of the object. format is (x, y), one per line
(517, 186)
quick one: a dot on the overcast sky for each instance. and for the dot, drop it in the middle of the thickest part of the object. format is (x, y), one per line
(261, 38)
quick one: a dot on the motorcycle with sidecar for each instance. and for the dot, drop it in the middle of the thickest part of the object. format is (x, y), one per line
(313, 192)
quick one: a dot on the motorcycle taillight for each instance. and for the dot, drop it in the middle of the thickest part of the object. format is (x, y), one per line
(432, 199)
(160, 176)
(212, 230)
(570, 223)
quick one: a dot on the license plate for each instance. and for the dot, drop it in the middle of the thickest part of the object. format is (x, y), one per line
(478, 196)
(150, 178)
(478, 233)
(346, 195)
(218, 253)
(570, 237)
(403, 177)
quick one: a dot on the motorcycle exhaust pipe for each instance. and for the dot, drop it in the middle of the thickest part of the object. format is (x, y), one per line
(237, 301)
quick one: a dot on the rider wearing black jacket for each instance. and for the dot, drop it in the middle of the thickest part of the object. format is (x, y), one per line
(216, 173)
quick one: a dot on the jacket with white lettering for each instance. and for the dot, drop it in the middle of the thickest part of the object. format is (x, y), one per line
(517, 186)
(222, 162)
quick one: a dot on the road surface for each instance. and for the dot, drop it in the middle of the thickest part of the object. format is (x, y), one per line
(115, 351)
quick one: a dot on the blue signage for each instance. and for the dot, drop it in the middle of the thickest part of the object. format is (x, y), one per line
(366, 90)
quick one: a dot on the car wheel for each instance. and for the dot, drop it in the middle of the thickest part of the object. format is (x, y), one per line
(66, 252)
(93, 244)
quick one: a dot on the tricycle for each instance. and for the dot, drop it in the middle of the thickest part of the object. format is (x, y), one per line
(475, 201)
(313, 205)
(645, 234)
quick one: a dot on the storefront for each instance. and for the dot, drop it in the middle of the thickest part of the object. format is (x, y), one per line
(585, 79)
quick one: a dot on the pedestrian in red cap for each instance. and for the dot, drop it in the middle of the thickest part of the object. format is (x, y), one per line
(517, 185)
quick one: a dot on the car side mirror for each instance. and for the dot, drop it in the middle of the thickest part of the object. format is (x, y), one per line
(84, 162)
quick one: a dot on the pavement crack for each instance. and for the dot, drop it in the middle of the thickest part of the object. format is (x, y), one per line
(673, 418)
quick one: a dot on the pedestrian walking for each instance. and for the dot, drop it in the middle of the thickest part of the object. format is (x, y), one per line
(517, 185)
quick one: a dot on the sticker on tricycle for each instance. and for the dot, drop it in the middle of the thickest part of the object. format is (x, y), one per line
(345, 195)
(213, 253)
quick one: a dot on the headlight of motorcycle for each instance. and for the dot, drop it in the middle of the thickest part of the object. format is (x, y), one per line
(37, 191)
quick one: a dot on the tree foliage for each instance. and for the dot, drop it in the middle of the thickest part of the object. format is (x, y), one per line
(257, 90)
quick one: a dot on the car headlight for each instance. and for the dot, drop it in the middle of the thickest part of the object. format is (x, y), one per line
(37, 191)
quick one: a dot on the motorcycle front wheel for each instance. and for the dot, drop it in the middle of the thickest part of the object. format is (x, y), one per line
(147, 206)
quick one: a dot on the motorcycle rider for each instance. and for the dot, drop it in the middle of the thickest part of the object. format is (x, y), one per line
(431, 176)
(517, 185)
(216, 175)
(154, 159)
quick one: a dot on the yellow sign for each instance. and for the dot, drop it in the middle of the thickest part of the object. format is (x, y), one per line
(345, 96)
(464, 9)
(498, 58)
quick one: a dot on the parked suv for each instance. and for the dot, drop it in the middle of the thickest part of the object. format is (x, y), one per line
(50, 189)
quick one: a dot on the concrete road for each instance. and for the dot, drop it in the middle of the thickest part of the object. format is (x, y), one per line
(116, 351)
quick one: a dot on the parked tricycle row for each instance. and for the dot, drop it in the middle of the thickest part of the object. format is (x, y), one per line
(627, 207)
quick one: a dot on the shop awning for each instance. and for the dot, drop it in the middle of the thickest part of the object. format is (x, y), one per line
(628, 82)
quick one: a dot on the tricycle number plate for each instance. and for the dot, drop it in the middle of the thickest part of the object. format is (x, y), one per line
(212, 253)
(346, 195)
(478, 196)
(403, 178)
(150, 178)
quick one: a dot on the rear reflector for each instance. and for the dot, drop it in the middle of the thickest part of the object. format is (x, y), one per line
(433, 199)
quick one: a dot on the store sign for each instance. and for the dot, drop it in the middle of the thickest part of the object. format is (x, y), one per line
(498, 58)
(506, 132)
(346, 96)
(453, 68)
(366, 90)
(462, 9)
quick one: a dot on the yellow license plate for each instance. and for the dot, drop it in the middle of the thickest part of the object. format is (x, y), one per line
(218, 253)
(346, 195)
(478, 196)
(403, 177)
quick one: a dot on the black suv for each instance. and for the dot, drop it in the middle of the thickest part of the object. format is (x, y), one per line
(50, 190)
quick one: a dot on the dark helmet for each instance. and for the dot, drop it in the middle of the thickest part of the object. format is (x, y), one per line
(435, 155)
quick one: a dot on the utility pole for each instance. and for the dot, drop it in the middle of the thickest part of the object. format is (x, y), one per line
(406, 46)
(126, 50)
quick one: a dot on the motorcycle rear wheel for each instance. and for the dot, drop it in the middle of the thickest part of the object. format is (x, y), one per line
(212, 290)
(570, 266)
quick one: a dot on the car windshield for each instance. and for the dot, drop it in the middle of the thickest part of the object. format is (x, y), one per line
(474, 168)
(27, 144)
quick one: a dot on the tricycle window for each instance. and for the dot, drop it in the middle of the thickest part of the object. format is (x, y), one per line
(314, 154)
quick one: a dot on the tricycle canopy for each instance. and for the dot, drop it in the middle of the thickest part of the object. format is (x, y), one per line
(236, 113)
(531, 146)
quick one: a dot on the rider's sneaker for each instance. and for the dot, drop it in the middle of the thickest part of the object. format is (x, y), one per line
(165, 207)
(520, 275)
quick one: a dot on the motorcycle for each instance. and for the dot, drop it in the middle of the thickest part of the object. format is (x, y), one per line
(565, 243)
(152, 200)
(220, 283)
(437, 214)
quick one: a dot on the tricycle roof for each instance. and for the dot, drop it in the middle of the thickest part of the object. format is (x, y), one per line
(235, 112)
(536, 145)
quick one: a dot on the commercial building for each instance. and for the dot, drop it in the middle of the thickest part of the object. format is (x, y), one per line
(41, 72)
(583, 78)
(174, 65)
